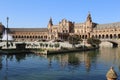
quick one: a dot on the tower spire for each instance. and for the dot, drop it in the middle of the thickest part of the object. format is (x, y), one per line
(89, 25)
(50, 23)
(89, 18)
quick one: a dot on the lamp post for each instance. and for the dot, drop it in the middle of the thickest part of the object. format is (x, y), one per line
(7, 31)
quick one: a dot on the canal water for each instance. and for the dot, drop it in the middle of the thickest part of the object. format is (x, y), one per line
(91, 65)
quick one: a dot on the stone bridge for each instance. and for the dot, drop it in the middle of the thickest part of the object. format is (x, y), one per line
(115, 42)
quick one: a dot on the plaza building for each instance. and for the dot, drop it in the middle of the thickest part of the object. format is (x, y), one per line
(64, 29)
(2, 29)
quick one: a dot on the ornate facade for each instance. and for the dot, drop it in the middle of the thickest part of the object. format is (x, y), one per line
(66, 28)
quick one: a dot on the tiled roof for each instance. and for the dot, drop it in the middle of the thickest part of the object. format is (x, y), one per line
(110, 25)
(29, 29)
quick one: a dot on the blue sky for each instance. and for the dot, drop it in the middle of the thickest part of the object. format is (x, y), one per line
(36, 13)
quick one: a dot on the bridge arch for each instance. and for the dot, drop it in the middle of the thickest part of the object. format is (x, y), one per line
(114, 44)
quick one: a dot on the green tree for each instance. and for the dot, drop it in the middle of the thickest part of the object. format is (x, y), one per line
(56, 45)
(41, 44)
(74, 39)
(50, 45)
(46, 45)
(94, 42)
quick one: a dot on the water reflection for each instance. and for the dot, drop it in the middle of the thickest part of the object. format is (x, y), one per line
(5, 59)
(89, 58)
(19, 57)
(0, 62)
(6, 70)
(74, 59)
(88, 64)
(110, 56)
(65, 60)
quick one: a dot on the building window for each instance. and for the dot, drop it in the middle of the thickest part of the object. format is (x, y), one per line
(99, 36)
(103, 36)
(66, 31)
(107, 36)
(95, 36)
(85, 36)
(110, 36)
(92, 36)
(118, 35)
(63, 31)
(115, 36)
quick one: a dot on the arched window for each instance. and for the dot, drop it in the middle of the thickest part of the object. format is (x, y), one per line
(103, 36)
(66, 31)
(99, 36)
(19, 37)
(45, 37)
(96, 36)
(93, 36)
(118, 35)
(41, 36)
(35, 36)
(38, 36)
(115, 36)
(110, 36)
(63, 31)
(85, 36)
(106, 35)
(80, 36)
